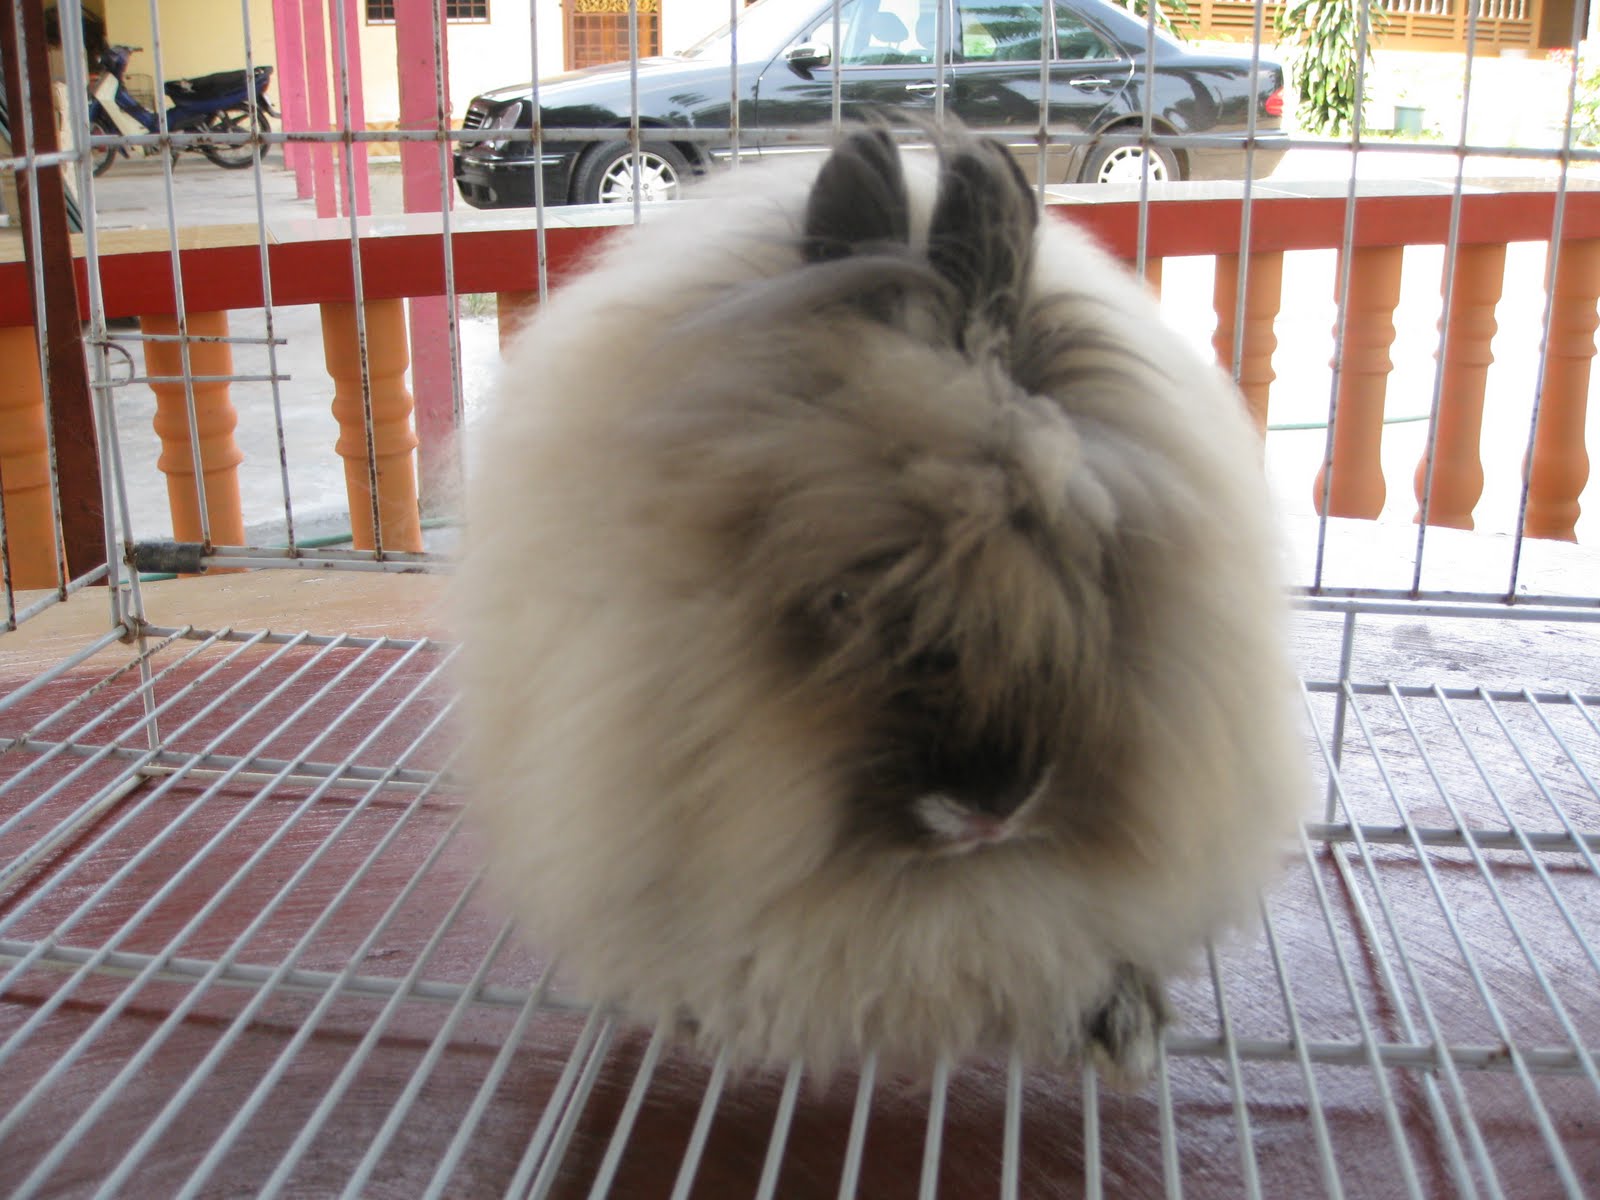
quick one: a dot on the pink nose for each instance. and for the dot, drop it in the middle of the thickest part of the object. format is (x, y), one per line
(978, 827)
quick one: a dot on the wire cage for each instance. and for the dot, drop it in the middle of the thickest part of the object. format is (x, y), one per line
(242, 948)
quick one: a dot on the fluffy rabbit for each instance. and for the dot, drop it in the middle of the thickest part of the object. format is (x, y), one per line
(874, 638)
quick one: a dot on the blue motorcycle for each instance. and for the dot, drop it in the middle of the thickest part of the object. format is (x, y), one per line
(217, 103)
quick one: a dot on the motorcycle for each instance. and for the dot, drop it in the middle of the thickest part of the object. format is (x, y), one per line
(218, 103)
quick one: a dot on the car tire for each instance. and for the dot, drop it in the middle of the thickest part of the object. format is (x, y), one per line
(605, 174)
(1125, 164)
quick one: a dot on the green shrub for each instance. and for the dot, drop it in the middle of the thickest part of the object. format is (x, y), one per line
(1326, 37)
(1586, 104)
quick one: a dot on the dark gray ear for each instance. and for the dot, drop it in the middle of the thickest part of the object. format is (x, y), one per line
(981, 237)
(859, 198)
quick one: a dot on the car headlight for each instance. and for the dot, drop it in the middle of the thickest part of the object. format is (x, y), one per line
(508, 118)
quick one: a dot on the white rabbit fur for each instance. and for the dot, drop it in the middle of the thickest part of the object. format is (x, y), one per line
(732, 487)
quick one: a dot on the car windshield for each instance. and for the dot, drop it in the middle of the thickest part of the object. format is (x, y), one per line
(765, 27)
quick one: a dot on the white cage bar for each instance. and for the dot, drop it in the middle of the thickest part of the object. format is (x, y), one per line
(242, 946)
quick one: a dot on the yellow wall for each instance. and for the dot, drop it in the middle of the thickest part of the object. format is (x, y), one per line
(197, 36)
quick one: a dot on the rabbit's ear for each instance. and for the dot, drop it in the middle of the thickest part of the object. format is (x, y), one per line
(858, 200)
(981, 238)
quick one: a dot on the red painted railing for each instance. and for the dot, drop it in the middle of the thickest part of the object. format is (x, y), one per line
(403, 257)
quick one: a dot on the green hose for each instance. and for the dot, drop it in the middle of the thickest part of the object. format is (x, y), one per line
(316, 543)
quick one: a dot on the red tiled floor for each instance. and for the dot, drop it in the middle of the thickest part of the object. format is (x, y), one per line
(256, 877)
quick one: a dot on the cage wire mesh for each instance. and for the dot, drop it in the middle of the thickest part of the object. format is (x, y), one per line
(241, 944)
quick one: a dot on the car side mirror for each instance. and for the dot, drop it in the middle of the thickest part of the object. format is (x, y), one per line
(808, 57)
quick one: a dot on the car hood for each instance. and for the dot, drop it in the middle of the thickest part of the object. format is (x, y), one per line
(558, 88)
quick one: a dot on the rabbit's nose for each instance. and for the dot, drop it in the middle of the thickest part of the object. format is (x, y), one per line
(979, 814)
(1002, 795)
(990, 775)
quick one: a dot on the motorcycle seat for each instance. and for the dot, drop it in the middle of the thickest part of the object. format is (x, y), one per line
(217, 86)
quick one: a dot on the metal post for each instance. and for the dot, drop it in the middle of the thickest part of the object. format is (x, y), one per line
(55, 294)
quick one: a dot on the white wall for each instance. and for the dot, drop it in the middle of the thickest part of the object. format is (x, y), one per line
(199, 36)
(684, 22)
(499, 53)
(481, 57)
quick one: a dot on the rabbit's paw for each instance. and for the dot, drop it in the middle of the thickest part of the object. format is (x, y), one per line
(1124, 1033)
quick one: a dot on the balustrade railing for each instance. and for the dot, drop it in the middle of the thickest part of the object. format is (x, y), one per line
(312, 264)
(1407, 24)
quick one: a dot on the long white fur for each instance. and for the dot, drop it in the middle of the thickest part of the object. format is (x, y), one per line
(658, 801)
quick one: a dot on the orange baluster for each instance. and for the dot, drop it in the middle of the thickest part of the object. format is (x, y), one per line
(1559, 465)
(1457, 465)
(1262, 299)
(215, 420)
(25, 462)
(512, 310)
(393, 441)
(1356, 488)
(1152, 272)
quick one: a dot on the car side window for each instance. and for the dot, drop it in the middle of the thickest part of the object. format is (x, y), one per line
(1076, 39)
(821, 34)
(1007, 31)
(1000, 31)
(888, 33)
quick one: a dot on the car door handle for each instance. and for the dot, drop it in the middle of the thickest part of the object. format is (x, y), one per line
(1091, 83)
(926, 89)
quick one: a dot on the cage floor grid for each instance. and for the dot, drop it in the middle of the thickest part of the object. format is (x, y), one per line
(241, 951)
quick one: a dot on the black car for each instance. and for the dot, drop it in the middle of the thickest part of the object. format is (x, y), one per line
(784, 83)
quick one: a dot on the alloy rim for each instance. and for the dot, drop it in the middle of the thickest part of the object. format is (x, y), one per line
(1126, 164)
(658, 180)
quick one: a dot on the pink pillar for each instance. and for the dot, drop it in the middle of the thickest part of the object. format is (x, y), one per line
(424, 106)
(421, 105)
(291, 78)
(318, 118)
(358, 109)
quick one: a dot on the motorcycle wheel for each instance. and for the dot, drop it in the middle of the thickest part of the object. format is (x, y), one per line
(103, 156)
(234, 120)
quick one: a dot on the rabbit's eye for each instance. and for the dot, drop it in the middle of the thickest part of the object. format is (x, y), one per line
(832, 614)
(842, 611)
(937, 662)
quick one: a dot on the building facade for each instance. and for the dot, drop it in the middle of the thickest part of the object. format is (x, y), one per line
(490, 43)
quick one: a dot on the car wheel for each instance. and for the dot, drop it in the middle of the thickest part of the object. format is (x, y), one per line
(1126, 164)
(605, 175)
